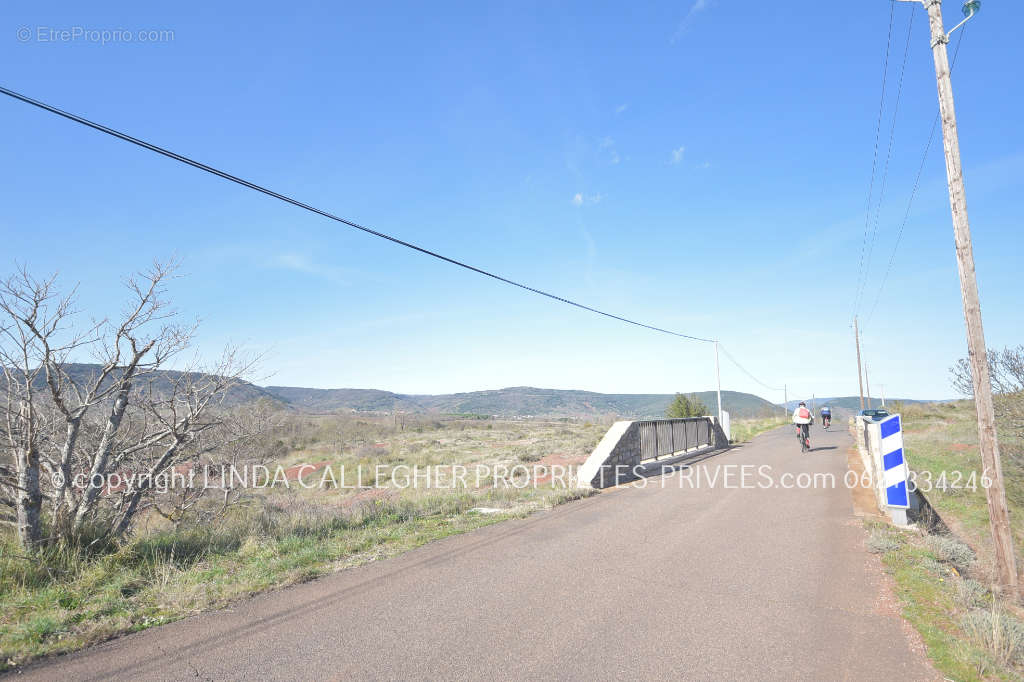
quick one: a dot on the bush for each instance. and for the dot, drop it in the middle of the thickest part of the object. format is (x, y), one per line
(936, 567)
(686, 406)
(971, 594)
(531, 455)
(998, 632)
(951, 551)
(880, 542)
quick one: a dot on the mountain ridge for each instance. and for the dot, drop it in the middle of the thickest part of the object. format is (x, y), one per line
(515, 401)
(852, 402)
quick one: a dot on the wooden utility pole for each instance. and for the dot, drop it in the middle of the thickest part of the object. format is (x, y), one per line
(860, 374)
(867, 385)
(999, 518)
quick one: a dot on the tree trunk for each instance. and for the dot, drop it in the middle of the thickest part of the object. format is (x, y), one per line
(99, 465)
(62, 502)
(135, 495)
(29, 500)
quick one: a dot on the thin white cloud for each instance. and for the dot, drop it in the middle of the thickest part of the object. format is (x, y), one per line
(696, 8)
(677, 154)
(608, 144)
(621, 108)
(298, 262)
(578, 199)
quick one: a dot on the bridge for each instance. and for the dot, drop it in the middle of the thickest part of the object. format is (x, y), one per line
(634, 449)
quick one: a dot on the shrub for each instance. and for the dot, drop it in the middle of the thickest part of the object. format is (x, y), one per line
(998, 632)
(951, 551)
(686, 406)
(531, 456)
(971, 594)
(880, 542)
(936, 567)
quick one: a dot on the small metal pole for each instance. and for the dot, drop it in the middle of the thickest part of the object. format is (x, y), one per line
(718, 378)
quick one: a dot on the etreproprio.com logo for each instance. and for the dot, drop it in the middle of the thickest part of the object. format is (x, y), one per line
(99, 36)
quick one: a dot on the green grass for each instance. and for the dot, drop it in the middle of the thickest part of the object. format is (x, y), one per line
(941, 443)
(743, 430)
(933, 598)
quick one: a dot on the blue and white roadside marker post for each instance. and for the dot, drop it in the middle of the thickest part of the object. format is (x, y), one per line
(894, 468)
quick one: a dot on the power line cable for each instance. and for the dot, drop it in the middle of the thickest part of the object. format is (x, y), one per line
(888, 158)
(874, 159)
(913, 192)
(744, 370)
(294, 202)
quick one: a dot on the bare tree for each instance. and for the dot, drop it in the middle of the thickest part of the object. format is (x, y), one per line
(244, 439)
(68, 429)
(1006, 368)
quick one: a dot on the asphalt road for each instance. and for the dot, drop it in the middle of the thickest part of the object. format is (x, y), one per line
(680, 579)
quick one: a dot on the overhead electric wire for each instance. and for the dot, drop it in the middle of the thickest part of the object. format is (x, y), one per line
(888, 158)
(294, 202)
(874, 159)
(913, 192)
(744, 370)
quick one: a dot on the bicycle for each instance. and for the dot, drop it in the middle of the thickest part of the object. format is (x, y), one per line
(826, 421)
(803, 434)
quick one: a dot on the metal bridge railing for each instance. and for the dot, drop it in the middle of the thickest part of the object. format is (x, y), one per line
(662, 437)
(631, 446)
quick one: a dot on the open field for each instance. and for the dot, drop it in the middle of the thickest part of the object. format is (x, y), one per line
(745, 429)
(69, 598)
(943, 570)
(942, 448)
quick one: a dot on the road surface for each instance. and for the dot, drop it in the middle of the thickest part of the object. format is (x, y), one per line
(667, 581)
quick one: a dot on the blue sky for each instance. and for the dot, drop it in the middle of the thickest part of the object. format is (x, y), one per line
(699, 166)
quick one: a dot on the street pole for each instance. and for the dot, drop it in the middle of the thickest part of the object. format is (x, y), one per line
(881, 389)
(718, 378)
(999, 518)
(860, 376)
(867, 383)
(785, 397)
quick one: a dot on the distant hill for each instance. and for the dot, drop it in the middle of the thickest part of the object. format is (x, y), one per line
(332, 399)
(852, 403)
(83, 374)
(519, 401)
